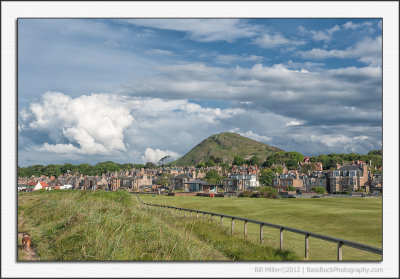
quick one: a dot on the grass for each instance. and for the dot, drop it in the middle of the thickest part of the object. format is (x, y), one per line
(71, 225)
(356, 219)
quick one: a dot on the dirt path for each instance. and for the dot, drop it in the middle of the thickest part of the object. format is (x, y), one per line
(26, 255)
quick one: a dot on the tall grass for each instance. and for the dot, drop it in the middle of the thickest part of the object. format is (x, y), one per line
(70, 225)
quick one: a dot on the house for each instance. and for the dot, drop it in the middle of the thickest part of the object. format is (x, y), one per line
(201, 186)
(41, 185)
(349, 178)
(240, 182)
(316, 179)
(180, 181)
(30, 185)
(289, 179)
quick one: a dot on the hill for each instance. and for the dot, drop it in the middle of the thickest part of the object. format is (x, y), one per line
(226, 146)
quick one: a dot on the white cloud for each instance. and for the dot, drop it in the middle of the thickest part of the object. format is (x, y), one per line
(320, 35)
(368, 51)
(92, 124)
(293, 123)
(250, 134)
(227, 59)
(273, 40)
(203, 30)
(354, 26)
(154, 155)
(159, 52)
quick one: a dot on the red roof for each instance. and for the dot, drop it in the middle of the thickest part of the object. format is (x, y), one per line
(31, 183)
(44, 184)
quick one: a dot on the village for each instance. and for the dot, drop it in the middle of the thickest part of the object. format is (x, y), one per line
(350, 179)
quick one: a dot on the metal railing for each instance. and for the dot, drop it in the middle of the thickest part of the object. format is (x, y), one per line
(340, 242)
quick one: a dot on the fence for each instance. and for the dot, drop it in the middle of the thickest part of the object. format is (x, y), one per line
(307, 234)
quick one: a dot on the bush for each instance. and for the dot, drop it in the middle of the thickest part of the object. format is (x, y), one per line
(246, 193)
(318, 190)
(291, 188)
(268, 192)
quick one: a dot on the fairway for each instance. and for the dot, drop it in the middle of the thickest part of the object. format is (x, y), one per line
(355, 219)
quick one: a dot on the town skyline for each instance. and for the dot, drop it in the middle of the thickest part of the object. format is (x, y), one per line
(153, 88)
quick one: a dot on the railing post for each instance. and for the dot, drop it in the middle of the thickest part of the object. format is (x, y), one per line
(261, 233)
(212, 215)
(339, 251)
(245, 229)
(191, 214)
(306, 245)
(197, 215)
(281, 238)
(204, 216)
(222, 222)
(232, 225)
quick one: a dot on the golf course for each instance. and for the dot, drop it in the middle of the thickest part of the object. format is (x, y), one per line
(355, 219)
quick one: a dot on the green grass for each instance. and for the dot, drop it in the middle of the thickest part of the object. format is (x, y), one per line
(71, 225)
(356, 219)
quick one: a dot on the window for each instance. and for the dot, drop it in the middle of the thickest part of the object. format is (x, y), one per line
(336, 173)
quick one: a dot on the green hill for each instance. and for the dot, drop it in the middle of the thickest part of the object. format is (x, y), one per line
(226, 146)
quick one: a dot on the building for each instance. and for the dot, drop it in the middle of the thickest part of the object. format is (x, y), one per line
(180, 181)
(289, 179)
(201, 186)
(316, 179)
(349, 178)
(241, 182)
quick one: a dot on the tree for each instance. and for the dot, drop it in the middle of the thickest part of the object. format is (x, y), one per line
(255, 160)
(23, 172)
(209, 163)
(277, 169)
(213, 177)
(127, 166)
(291, 188)
(238, 160)
(150, 165)
(51, 170)
(318, 190)
(201, 165)
(164, 179)
(266, 176)
(292, 164)
(138, 166)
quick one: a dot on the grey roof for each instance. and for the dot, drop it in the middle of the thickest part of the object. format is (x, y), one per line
(184, 175)
(349, 168)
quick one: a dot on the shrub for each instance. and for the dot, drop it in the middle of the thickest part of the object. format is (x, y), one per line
(246, 193)
(268, 192)
(318, 190)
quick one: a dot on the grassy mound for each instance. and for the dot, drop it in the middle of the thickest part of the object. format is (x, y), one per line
(72, 225)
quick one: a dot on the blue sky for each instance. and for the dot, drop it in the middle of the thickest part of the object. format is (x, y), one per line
(135, 90)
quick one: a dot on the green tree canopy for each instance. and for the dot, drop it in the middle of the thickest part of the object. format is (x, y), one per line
(238, 160)
(213, 177)
(266, 176)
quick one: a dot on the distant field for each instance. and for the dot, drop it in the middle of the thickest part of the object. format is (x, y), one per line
(74, 225)
(356, 219)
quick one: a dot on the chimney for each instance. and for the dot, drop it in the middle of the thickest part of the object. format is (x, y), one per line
(337, 166)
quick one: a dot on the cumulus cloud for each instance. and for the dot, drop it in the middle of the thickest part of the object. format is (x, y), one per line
(154, 155)
(92, 124)
(320, 35)
(274, 40)
(203, 30)
(368, 51)
(227, 59)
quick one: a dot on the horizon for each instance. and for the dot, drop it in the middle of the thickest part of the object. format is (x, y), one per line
(136, 90)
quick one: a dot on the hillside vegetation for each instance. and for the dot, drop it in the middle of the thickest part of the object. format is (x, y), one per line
(71, 225)
(226, 146)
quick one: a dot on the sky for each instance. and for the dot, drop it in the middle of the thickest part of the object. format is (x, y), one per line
(136, 90)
